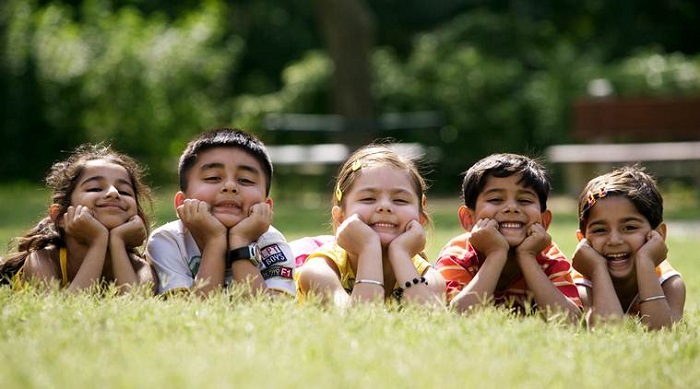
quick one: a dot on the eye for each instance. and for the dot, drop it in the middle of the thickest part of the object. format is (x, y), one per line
(597, 230)
(94, 189)
(401, 201)
(526, 201)
(246, 181)
(629, 228)
(494, 200)
(366, 199)
(124, 192)
(212, 179)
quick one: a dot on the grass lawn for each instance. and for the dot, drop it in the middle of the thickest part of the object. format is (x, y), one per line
(52, 340)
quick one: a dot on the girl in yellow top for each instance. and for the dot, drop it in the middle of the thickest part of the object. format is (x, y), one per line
(95, 222)
(621, 256)
(378, 217)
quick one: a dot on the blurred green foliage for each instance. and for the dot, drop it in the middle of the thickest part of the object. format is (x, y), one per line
(146, 75)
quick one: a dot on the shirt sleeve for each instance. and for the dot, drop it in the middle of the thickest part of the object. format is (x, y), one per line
(277, 262)
(560, 273)
(170, 261)
(451, 264)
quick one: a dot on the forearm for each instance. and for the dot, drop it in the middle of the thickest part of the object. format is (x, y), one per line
(546, 295)
(90, 271)
(125, 276)
(655, 313)
(480, 290)
(212, 267)
(605, 303)
(406, 272)
(246, 273)
(369, 268)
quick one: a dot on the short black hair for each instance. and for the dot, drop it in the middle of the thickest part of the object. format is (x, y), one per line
(534, 176)
(224, 137)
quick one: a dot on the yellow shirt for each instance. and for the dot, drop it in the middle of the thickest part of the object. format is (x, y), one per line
(347, 276)
(63, 261)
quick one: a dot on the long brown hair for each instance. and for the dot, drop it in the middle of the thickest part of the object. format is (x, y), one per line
(62, 180)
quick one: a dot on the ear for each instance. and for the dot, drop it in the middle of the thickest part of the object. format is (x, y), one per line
(269, 202)
(466, 217)
(54, 213)
(338, 215)
(546, 218)
(179, 198)
(579, 235)
(424, 204)
(661, 229)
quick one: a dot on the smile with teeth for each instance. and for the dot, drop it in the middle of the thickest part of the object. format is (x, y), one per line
(510, 225)
(383, 225)
(616, 257)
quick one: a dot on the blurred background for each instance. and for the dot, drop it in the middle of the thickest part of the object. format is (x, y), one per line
(454, 80)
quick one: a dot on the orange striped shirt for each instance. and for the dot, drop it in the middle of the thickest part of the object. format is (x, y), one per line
(458, 262)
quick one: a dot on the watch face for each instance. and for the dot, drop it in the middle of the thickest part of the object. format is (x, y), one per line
(249, 252)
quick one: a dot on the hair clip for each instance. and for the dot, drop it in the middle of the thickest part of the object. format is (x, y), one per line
(592, 198)
(357, 165)
(338, 193)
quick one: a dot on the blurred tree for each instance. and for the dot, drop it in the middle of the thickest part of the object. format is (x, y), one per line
(348, 28)
(146, 74)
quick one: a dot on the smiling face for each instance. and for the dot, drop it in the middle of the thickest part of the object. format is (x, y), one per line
(616, 230)
(384, 198)
(511, 204)
(106, 188)
(230, 180)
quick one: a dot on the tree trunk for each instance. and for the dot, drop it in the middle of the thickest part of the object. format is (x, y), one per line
(348, 29)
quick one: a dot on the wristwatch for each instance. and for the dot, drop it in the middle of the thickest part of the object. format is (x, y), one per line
(249, 252)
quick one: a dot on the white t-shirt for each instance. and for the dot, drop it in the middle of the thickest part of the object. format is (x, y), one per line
(177, 257)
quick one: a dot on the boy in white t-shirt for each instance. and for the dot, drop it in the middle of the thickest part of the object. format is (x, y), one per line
(224, 233)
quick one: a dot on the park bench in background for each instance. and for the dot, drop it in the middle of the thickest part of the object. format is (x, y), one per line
(661, 133)
(313, 162)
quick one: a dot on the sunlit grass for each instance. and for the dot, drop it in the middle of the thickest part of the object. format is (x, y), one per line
(55, 340)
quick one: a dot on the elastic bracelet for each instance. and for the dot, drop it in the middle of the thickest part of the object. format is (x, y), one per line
(412, 282)
(652, 298)
(371, 282)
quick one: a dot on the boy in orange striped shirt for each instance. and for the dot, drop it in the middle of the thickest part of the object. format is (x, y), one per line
(506, 257)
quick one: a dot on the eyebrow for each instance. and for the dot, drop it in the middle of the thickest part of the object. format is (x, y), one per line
(392, 191)
(102, 178)
(520, 191)
(624, 220)
(219, 165)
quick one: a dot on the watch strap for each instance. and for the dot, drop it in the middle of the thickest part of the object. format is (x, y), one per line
(248, 252)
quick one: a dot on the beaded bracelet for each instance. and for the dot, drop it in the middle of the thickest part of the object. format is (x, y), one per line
(371, 282)
(652, 298)
(410, 283)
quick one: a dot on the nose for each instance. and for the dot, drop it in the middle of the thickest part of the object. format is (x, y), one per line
(229, 186)
(384, 206)
(511, 207)
(112, 192)
(614, 238)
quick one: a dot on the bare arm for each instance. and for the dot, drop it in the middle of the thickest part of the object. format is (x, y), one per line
(656, 308)
(401, 251)
(487, 240)
(363, 244)
(210, 236)
(601, 299)
(546, 295)
(125, 275)
(244, 233)
(320, 278)
(83, 228)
